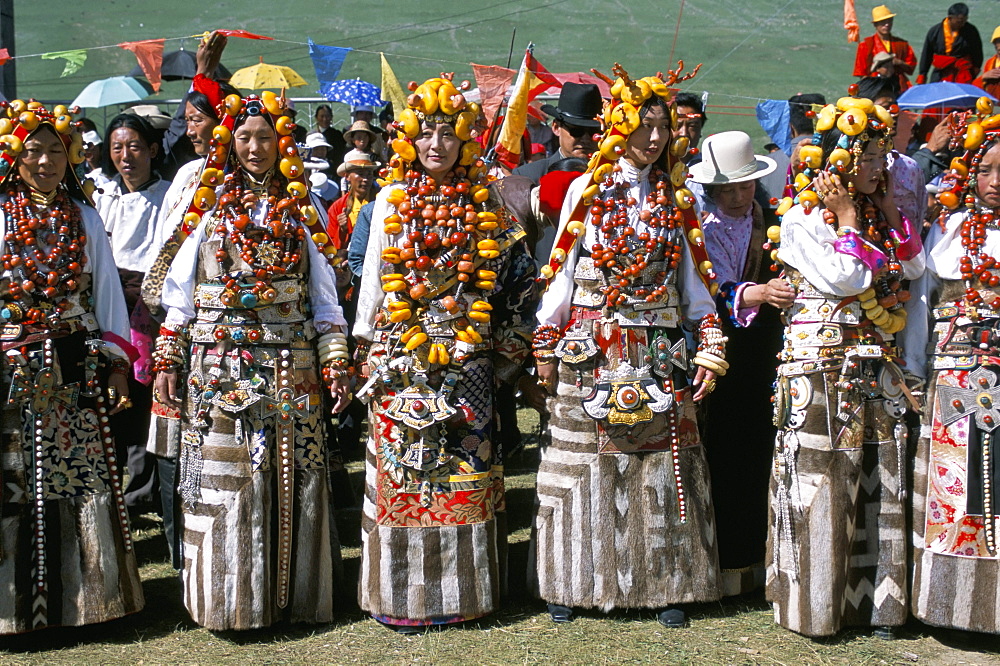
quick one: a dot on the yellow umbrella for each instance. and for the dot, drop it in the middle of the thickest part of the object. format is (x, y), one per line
(262, 75)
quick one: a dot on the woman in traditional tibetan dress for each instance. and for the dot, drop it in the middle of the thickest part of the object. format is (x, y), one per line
(447, 304)
(624, 513)
(254, 329)
(837, 543)
(66, 554)
(739, 428)
(956, 307)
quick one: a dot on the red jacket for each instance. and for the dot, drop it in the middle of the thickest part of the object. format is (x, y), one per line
(869, 47)
(339, 236)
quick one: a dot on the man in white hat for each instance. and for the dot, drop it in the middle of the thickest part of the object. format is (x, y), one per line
(740, 439)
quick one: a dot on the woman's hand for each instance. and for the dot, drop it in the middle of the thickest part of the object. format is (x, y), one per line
(340, 389)
(118, 392)
(836, 198)
(532, 392)
(704, 383)
(886, 202)
(548, 375)
(775, 292)
(165, 388)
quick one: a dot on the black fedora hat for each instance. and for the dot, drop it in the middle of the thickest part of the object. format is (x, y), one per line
(579, 104)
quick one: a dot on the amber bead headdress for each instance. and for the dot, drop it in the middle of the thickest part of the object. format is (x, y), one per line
(859, 121)
(221, 160)
(621, 117)
(436, 100)
(20, 119)
(975, 132)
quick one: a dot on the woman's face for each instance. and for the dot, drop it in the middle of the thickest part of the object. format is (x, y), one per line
(871, 165)
(646, 144)
(256, 145)
(734, 199)
(132, 156)
(42, 163)
(199, 128)
(323, 119)
(437, 148)
(988, 177)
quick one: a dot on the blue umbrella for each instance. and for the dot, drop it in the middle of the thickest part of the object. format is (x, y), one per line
(114, 90)
(942, 94)
(352, 91)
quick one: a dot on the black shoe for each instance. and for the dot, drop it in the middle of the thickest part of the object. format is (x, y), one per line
(404, 629)
(673, 618)
(885, 633)
(560, 614)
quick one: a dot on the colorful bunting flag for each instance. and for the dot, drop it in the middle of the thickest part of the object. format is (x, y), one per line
(391, 90)
(773, 116)
(74, 60)
(532, 80)
(4, 57)
(240, 33)
(493, 82)
(327, 61)
(149, 53)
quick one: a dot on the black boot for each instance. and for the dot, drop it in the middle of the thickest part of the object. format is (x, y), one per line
(673, 617)
(560, 614)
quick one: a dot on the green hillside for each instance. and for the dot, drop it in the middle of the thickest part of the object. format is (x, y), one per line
(750, 49)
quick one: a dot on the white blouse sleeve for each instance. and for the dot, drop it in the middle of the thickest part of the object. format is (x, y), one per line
(178, 287)
(696, 301)
(109, 300)
(323, 284)
(807, 245)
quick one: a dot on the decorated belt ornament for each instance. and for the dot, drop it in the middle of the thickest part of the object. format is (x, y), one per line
(576, 348)
(627, 396)
(419, 407)
(251, 334)
(665, 356)
(220, 296)
(978, 400)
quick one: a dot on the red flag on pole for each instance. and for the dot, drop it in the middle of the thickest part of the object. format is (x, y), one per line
(493, 82)
(149, 53)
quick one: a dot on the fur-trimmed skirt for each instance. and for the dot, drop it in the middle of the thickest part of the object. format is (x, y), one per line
(622, 530)
(433, 546)
(235, 574)
(956, 573)
(66, 560)
(837, 544)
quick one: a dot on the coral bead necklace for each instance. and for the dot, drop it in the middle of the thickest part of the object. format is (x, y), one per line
(44, 252)
(623, 252)
(271, 249)
(977, 264)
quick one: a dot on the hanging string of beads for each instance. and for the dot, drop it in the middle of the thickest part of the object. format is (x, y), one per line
(44, 251)
(271, 249)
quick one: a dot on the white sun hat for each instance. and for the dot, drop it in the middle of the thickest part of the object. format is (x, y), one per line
(728, 157)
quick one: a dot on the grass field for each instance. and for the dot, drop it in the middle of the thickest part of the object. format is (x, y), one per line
(735, 631)
(750, 49)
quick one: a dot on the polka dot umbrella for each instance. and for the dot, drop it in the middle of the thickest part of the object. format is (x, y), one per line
(352, 91)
